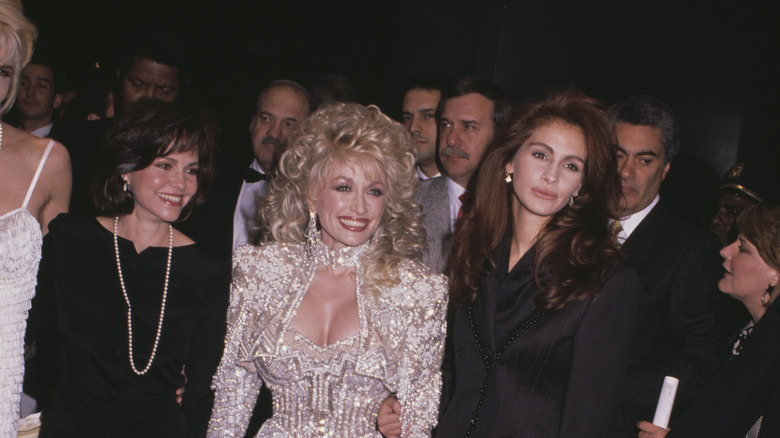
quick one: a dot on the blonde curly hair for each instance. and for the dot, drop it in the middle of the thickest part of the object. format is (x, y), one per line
(17, 37)
(348, 132)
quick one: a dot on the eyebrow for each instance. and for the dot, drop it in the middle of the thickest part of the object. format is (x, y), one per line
(169, 158)
(640, 153)
(548, 147)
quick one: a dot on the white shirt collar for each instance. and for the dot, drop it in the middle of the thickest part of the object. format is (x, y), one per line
(43, 131)
(632, 221)
(454, 190)
(422, 176)
(256, 166)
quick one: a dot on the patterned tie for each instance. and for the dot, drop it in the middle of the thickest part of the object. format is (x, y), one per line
(615, 228)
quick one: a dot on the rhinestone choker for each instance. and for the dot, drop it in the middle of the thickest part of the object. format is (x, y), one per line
(334, 258)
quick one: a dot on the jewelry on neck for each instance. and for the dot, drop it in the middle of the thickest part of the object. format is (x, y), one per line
(1, 136)
(334, 258)
(130, 309)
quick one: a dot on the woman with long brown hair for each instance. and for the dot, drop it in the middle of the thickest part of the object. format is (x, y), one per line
(542, 314)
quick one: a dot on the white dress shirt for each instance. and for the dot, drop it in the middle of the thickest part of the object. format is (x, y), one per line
(454, 190)
(629, 223)
(43, 131)
(422, 176)
(246, 217)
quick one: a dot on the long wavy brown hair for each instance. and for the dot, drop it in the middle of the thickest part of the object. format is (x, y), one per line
(575, 252)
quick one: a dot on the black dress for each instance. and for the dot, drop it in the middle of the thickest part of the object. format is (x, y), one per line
(551, 375)
(79, 293)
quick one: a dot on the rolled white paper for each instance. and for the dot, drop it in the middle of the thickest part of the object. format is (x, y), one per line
(665, 402)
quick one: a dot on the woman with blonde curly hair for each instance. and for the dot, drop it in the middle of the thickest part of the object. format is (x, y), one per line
(35, 185)
(333, 313)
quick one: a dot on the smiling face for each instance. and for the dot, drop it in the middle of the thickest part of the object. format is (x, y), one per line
(547, 169)
(350, 204)
(642, 165)
(161, 190)
(747, 275)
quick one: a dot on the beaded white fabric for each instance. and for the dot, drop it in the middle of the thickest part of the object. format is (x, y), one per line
(332, 391)
(20, 253)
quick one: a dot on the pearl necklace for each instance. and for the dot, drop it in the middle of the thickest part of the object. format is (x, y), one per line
(1, 135)
(127, 300)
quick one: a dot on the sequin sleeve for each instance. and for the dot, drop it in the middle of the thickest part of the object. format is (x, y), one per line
(236, 388)
(425, 305)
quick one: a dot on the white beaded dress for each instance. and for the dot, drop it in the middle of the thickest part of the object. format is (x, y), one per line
(20, 252)
(332, 391)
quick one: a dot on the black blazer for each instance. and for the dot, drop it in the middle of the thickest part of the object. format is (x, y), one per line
(746, 388)
(678, 267)
(212, 224)
(560, 377)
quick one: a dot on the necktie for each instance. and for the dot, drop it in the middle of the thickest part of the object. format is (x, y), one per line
(461, 198)
(253, 176)
(615, 228)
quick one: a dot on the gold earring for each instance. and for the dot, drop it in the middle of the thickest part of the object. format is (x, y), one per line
(507, 177)
(571, 200)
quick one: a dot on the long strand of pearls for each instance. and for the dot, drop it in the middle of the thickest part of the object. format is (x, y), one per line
(130, 309)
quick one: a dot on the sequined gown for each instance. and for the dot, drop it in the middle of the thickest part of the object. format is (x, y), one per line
(20, 253)
(332, 391)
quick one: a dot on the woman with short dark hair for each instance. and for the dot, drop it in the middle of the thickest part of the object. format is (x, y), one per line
(134, 300)
(743, 400)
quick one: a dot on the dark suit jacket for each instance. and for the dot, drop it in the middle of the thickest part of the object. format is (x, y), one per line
(678, 267)
(212, 224)
(432, 195)
(746, 388)
(559, 378)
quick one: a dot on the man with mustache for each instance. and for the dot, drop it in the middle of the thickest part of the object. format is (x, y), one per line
(280, 106)
(418, 115)
(678, 265)
(469, 117)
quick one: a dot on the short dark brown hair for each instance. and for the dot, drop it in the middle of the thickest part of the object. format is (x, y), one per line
(148, 130)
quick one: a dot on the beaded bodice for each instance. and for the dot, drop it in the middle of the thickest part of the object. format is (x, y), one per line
(20, 252)
(337, 389)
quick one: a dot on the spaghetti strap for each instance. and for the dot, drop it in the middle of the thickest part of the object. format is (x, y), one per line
(38, 173)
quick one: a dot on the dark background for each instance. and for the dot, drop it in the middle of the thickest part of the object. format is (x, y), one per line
(715, 62)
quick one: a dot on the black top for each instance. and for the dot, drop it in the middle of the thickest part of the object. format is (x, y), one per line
(78, 290)
(551, 375)
(747, 387)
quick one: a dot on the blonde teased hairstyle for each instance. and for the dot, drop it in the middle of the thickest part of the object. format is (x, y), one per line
(363, 136)
(17, 37)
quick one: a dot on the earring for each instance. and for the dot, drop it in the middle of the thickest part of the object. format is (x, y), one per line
(571, 200)
(124, 188)
(765, 299)
(311, 229)
(507, 177)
